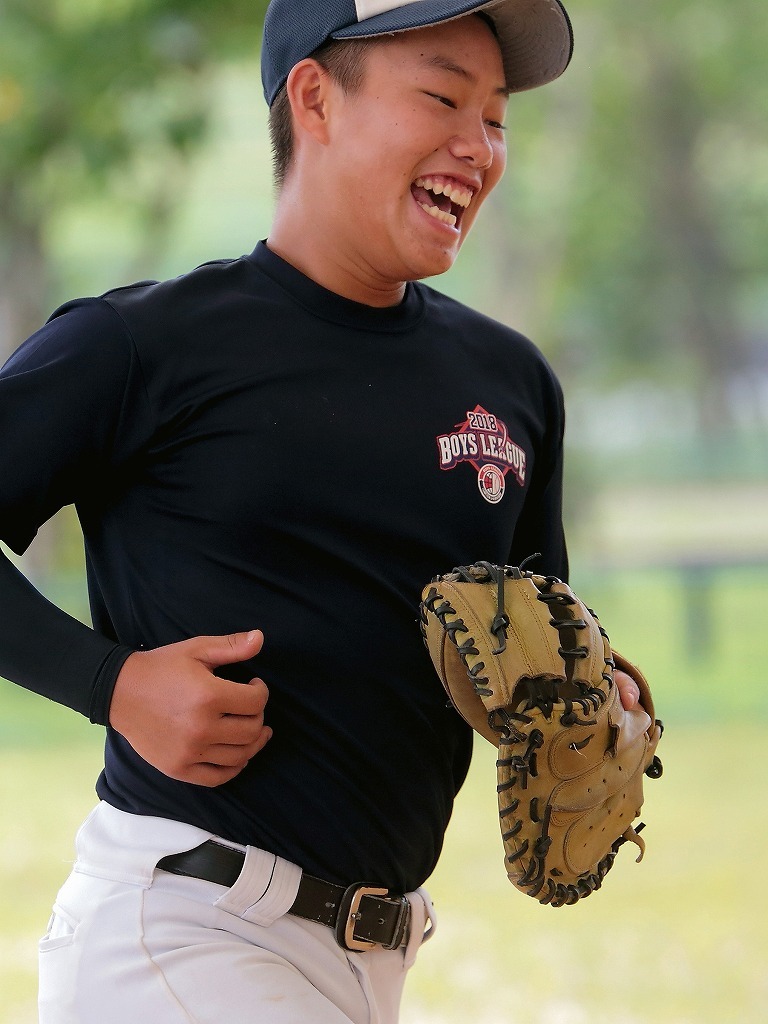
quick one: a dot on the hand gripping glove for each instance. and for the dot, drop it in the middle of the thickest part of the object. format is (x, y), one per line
(529, 666)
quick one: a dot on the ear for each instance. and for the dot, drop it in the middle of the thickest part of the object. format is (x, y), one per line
(308, 87)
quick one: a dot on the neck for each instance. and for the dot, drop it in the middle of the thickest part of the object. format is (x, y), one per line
(298, 237)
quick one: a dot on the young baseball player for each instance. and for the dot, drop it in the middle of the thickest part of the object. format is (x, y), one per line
(269, 457)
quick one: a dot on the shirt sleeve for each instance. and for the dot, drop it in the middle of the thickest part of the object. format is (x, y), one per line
(72, 406)
(540, 529)
(51, 653)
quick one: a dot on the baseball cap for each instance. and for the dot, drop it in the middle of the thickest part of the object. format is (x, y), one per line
(535, 36)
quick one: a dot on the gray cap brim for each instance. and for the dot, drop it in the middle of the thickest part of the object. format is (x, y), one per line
(535, 36)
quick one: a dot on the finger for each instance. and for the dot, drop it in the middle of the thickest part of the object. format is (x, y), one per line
(221, 763)
(214, 651)
(230, 755)
(237, 730)
(629, 691)
(224, 755)
(209, 775)
(630, 698)
(244, 700)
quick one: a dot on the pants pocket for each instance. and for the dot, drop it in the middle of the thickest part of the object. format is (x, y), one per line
(60, 931)
(58, 969)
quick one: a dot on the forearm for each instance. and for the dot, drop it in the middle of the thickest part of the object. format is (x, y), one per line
(52, 653)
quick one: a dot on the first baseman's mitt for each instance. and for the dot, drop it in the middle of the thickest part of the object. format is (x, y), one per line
(529, 666)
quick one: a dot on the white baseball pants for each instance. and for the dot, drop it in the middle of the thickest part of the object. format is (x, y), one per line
(129, 944)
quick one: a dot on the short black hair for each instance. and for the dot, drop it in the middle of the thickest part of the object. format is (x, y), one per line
(344, 60)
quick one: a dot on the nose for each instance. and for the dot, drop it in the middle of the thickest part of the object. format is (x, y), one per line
(473, 146)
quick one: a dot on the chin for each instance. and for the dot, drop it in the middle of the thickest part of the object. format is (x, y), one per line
(432, 264)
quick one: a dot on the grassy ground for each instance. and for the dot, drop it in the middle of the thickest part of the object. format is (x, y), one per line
(678, 939)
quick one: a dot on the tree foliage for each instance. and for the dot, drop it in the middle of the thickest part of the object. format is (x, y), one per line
(89, 88)
(630, 237)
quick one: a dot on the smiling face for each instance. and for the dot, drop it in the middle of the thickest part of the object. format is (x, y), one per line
(406, 161)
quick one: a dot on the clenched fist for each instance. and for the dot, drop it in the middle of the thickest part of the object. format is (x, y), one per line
(184, 720)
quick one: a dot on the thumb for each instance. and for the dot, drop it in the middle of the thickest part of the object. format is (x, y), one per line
(229, 649)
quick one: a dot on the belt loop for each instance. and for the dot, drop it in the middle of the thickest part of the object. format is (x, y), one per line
(422, 911)
(261, 887)
(265, 890)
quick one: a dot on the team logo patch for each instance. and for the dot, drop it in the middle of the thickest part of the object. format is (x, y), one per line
(483, 441)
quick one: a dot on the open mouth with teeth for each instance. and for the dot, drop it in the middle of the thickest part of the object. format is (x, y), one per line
(442, 198)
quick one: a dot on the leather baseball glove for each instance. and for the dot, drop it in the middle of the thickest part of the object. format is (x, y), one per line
(529, 666)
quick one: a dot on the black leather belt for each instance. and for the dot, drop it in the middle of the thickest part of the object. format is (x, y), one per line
(360, 915)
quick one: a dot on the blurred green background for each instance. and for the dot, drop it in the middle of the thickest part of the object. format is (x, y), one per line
(629, 240)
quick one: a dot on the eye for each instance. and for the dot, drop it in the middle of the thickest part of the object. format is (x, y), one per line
(497, 124)
(442, 99)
